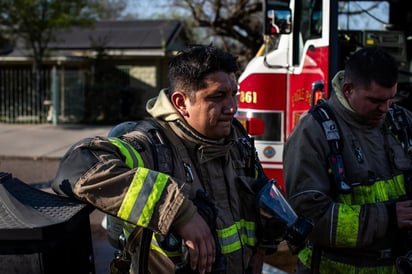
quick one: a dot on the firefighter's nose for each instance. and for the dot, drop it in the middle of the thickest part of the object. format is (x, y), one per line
(229, 110)
(384, 107)
(230, 107)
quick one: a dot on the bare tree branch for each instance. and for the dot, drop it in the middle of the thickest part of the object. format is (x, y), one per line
(235, 25)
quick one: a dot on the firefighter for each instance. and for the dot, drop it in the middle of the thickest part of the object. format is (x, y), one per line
(347, 168)
(157, 194)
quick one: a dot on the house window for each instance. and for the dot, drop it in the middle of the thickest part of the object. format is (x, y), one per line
(143, 74)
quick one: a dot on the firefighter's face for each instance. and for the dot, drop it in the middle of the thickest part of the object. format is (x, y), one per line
(211, 110)
(372, 103)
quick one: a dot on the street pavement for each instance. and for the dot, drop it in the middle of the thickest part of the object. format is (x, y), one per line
(32, 153)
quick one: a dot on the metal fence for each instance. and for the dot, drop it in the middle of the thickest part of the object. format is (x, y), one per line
(22, 100)
(19, 100)
(103, 93)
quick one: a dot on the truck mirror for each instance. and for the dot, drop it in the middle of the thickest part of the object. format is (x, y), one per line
(278, 20)
(318, 92)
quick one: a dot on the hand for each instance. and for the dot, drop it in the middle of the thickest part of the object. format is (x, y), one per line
(256, 263)
(404, 214)
(199, 240)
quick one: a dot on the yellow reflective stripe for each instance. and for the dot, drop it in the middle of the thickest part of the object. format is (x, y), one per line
(329, 266)
(248, 237)
(127, 230)
(379, 191)
(154, 196)
(350, 205)
(233, 237)
(305, 256)
(140, 209)
(229, 239)
(133, 158)
(133, 193)
(165, 252)
(347, 225)
(155, 246)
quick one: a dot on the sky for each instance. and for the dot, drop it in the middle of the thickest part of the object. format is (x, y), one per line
(147, 8)
(372, 20)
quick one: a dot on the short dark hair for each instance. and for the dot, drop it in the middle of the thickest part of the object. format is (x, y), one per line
(188, 69)
(372, 64)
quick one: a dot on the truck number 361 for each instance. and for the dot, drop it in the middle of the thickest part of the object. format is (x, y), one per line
(248, 97)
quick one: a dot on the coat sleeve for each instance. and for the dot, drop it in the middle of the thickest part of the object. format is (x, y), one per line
(312, 193)
(95, 170)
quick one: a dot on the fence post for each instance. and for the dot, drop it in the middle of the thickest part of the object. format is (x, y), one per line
(55, 96)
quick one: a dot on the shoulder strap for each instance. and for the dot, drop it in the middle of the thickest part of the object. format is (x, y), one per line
(400, 127)
(190, 172)
(248, 150)
(153, 133)
(162, 153)
(324, 115)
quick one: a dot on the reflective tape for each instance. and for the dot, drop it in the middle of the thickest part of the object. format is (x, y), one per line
(235, 236)
(133, 158)
(350, 205)
(347, 225)
(379, 191)
(329, 266)
(144, 192)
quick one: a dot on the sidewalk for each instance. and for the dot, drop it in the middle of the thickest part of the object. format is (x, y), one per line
(32, 153)
(43, 140)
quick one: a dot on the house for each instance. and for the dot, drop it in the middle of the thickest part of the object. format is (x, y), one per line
(105, 72)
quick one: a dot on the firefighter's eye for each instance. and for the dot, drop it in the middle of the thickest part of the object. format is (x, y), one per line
(379, 101)
(217, 96)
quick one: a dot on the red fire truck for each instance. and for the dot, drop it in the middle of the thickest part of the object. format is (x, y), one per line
(306, 43)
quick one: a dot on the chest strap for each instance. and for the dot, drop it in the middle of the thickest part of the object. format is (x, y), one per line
(324, 115)
(400, 127)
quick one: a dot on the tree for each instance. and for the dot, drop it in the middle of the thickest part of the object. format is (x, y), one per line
(235, 25)
(34, 23)
(111, 9)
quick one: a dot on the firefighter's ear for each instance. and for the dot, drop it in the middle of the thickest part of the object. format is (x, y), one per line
(347, 89)
(178, 100)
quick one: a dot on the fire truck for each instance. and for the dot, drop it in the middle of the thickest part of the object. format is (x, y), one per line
(306, 43)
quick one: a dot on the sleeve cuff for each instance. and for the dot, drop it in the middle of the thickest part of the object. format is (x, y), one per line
(186, 211)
